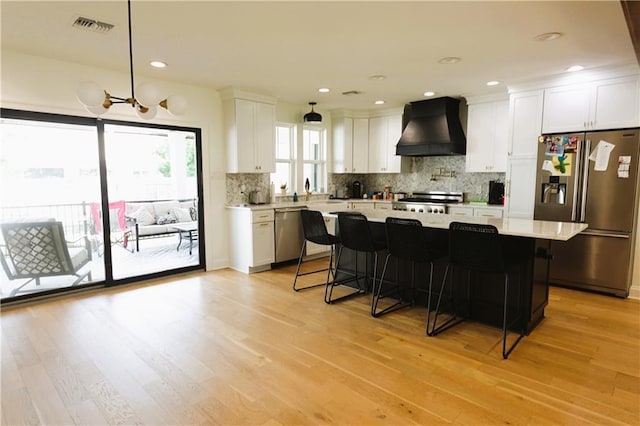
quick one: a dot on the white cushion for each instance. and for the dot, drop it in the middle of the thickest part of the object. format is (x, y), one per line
(162, 208)
(182, 215)
(133, 207)
(187, 204)
(154, 229)
(143, 217)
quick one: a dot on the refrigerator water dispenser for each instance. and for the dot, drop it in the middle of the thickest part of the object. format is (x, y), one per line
(554, 193)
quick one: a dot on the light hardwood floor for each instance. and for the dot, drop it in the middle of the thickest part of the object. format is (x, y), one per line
(228, 348)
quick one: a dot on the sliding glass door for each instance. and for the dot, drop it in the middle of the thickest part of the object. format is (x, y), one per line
(92, 202)
(49, 171)
(152, 185)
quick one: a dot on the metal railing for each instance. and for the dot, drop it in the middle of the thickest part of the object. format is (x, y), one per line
(75, 218)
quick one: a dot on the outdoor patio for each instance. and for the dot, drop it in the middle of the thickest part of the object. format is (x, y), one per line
(155, 255)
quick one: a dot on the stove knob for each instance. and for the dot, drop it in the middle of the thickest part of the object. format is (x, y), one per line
(430, 210)
(412, 209)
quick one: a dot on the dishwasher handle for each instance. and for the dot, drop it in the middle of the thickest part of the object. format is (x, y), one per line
(290, 209)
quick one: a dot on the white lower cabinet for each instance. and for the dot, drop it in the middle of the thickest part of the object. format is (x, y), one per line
(252, 239)
(362, 206)
(382, 206)
(460, 211)
(487, 212)
(477, 211)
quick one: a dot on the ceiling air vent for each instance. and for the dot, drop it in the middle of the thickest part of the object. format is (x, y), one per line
(352, 92)
(92, 25)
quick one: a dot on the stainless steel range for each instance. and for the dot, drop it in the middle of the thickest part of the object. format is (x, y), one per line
(434, 202)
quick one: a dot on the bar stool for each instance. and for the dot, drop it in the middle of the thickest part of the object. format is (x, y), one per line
(315, 231)
(477, 248)
(355, 234)
(405, 241)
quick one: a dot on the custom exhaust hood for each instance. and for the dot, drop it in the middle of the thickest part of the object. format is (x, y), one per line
(432, 128)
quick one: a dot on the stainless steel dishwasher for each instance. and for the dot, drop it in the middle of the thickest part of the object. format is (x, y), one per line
(288, 233)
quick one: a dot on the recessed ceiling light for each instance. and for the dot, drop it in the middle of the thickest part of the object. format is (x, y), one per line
(158, 64)
(449, 60)
(377, 77)
(575, 68)
(379, 102)
(547, 36)
(429, 93)
(324, 90)
(493, 83)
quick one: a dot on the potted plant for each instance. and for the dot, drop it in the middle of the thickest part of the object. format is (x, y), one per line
(283, 189)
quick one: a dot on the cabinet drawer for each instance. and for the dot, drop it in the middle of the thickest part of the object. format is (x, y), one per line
(382, 206)
(262, 216)
(460, 211)
(497, 213)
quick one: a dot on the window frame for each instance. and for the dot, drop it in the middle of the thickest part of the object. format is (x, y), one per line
(291, 161)
(322, 155)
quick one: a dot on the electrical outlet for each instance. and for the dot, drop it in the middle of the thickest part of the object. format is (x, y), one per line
(243, 188)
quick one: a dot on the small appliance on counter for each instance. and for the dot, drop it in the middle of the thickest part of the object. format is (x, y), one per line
(257, 197)
(356, 189)
(496, 192)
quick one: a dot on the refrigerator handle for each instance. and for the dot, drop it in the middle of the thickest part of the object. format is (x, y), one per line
(585, 180)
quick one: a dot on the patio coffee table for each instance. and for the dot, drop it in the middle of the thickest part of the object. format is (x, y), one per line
(187, 228)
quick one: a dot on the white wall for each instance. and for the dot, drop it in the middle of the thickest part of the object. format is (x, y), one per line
(46, 85)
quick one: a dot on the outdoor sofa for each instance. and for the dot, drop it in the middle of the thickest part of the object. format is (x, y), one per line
(154, 219)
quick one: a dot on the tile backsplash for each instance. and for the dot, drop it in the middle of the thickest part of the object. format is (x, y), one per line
(427, 174)
(418, 174)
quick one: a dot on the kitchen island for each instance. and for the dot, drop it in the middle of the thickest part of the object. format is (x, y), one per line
(481, 301)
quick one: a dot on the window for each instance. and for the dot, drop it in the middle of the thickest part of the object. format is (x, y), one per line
(294, 169)
(314, 144)
(285, 156)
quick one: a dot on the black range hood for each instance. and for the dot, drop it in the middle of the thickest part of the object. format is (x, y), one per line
(432, 128)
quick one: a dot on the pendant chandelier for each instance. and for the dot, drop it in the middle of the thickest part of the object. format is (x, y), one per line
(98, 101)
(312, 116)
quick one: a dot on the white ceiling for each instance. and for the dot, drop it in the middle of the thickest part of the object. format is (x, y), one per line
(290, 49)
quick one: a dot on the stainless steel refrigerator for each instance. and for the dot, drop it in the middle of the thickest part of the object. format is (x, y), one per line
(591, 178)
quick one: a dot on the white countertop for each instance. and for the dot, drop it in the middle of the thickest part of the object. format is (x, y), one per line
(337, 201)
(542, 229)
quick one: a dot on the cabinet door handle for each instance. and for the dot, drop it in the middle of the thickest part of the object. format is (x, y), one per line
(265, 224)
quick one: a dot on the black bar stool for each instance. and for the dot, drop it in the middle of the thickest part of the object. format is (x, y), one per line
(477, 248)
(405, 241)
(315, 230)
(355, 234)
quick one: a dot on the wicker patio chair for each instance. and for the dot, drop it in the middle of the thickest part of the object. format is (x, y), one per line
(34, 250)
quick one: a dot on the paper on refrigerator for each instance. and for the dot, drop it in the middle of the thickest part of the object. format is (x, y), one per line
(624, 161)
(601, 155)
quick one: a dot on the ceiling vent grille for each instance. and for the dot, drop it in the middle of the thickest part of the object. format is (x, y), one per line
(352, 92)
(92, 25)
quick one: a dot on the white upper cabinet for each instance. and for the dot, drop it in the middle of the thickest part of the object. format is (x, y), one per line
(250, 135)
(360, 145)
(342, 151)
(606, 104)
(525, 124)
(487, 134)
(384, 133)
(350, 144)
